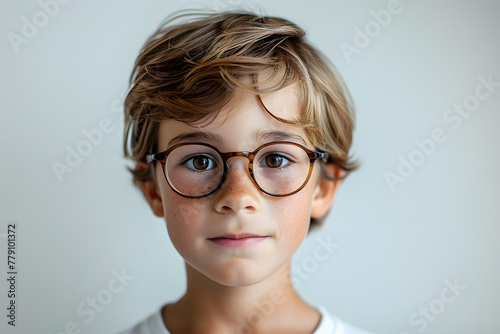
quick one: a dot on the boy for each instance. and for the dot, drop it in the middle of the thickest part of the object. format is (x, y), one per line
(240, 131)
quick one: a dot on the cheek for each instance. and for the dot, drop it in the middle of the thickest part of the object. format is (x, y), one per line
(182, 216)
(292, 215)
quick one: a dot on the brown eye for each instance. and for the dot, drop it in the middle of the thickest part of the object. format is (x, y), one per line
(200, 163)
(274, 161)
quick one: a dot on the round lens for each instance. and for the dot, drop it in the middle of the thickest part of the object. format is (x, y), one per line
(194, 170)
(281, 169)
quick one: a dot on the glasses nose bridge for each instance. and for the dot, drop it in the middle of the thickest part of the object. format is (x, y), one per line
(244, 154)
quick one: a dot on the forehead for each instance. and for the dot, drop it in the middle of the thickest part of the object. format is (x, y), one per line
(243, 122)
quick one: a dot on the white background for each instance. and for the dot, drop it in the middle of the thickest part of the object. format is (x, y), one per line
(397, 246)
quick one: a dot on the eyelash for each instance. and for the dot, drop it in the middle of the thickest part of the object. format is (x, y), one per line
(194, 155)
(290, 161)
(281, 155)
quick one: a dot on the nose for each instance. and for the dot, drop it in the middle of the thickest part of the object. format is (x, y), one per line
(238, 193)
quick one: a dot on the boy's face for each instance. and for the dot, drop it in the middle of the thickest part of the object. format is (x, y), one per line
(239, 206)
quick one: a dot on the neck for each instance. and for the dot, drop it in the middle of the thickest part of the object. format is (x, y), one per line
(210, 307)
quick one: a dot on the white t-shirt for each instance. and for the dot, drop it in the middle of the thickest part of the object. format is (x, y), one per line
(328, 325)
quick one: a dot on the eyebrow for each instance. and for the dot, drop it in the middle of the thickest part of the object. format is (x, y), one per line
(263, 136)
(276, 135)
(196, 136)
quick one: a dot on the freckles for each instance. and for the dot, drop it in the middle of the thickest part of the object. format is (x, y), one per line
(182, 211)
(292, 215)
(183, 217)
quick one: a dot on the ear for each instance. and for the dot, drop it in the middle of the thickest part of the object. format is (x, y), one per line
(325, 190)
(151, 192)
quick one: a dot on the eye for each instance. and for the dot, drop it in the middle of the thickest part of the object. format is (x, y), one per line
(274, 161)
(200, 163)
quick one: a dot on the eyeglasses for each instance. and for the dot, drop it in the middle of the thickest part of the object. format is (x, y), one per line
(197, 170)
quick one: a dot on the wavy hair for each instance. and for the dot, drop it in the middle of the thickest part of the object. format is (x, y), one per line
(191, 67)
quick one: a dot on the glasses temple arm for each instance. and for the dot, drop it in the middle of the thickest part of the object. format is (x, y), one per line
(324, 158)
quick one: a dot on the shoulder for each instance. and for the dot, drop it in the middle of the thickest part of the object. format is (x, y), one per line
(332, 325)
(151, 325)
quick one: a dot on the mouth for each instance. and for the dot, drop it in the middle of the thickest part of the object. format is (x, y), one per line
(238, 240)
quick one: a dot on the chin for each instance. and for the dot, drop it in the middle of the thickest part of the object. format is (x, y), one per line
(238, 275)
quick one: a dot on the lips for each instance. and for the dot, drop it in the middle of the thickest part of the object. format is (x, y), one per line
(238, 240)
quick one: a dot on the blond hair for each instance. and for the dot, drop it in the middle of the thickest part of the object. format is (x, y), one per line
(190, 70)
